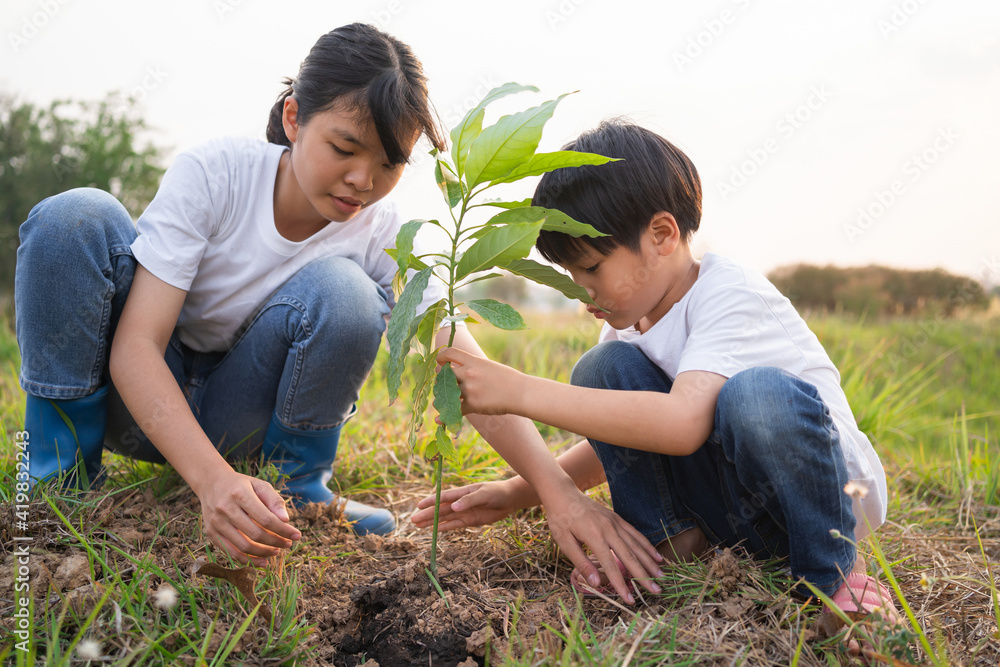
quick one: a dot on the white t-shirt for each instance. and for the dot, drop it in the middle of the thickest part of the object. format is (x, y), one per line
(210, 231)
(733, 319)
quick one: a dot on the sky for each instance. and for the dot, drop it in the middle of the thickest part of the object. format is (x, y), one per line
(850, 132)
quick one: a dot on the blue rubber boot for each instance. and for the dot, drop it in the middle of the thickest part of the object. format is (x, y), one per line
(66, 436)
(306, 457)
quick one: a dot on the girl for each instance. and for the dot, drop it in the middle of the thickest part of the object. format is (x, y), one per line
(249, 309)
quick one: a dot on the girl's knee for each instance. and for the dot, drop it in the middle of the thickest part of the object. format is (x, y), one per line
(342, 298)
(78, 216)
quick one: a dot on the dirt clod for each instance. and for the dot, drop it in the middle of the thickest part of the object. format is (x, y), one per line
(73, 572)
(725, 570)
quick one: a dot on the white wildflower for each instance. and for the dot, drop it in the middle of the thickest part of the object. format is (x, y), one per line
(165, 597)
(89, 649)
(856, 490)
(834, 533)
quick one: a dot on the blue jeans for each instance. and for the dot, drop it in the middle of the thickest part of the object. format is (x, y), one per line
(303, 355)
(770, 477)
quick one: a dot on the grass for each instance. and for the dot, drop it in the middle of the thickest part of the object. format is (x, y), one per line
(925, 391)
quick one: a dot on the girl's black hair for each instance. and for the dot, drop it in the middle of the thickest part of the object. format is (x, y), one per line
(619, 198)
(371, 72)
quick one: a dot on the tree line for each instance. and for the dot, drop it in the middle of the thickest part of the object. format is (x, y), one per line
(879, 290)
(68, 144)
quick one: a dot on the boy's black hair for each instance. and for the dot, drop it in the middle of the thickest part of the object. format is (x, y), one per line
(619, 198)
(371, 72)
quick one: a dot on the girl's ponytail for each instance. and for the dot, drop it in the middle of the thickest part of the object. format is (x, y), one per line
(275, 128)
(366, 70)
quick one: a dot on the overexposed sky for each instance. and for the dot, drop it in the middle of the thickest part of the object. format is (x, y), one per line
(843, 132)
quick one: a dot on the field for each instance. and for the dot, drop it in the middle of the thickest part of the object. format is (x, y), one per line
(104, 568)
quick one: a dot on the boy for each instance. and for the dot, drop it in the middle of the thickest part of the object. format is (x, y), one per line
(710, 408)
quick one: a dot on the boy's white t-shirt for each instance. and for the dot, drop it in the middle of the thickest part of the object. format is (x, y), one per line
(210, 231)
(733, 319)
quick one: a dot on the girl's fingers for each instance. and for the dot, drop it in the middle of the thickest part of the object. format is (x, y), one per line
(241, 549)
(268, 528)
(262, 527)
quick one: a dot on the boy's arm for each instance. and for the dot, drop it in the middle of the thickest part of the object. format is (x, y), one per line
(574, 518)
(677, 423)
(488, 502)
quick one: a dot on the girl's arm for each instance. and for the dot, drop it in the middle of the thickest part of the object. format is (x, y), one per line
(677, 423)
(242, 515)
(574, 518)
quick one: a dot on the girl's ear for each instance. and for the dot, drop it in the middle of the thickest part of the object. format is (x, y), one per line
(289, 118)
(664, 232)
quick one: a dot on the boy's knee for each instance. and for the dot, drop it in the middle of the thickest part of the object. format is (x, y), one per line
(766, 404)
(601, 366)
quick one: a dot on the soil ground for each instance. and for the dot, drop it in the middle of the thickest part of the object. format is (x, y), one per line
(506, 593)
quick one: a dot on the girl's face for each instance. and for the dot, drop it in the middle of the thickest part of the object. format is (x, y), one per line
(338, 161)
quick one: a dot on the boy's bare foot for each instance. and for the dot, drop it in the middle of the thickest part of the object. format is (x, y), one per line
(685, 547)
(860, 596)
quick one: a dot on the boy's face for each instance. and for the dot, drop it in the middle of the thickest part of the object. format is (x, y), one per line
(625, 283)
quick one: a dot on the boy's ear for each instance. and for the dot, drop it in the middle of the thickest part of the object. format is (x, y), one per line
(664, 232)
(289, 118)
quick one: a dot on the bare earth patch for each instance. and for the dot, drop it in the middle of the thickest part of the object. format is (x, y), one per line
(506, 593)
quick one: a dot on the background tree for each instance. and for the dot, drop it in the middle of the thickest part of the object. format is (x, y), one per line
(70, 144)
(878, 290)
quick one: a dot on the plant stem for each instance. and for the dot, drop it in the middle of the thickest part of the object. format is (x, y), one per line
(451, 341)
(437, 514)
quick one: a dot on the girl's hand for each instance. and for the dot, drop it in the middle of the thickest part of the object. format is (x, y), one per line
(488, 388)
(245, 517)
(467, 506)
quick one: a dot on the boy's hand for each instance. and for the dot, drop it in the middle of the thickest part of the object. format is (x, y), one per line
(576, 519)
(467, 506)
(488, 388)
(245, 517)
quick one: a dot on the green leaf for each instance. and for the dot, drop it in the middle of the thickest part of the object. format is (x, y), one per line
(500, 315)
(508, 204)
(503, 147)
(415, 262)
(487, 276)
(404, 244)
(450, 186)
(421, 394)
(541, 163)
(400, 331)
(429, 325)
(463, 134)
(445, 447)
(498, 246)
(546, 275)
(447, 398)
(554, 219)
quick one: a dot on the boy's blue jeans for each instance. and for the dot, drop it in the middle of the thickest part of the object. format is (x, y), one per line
(304, 354)
(770, 477)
